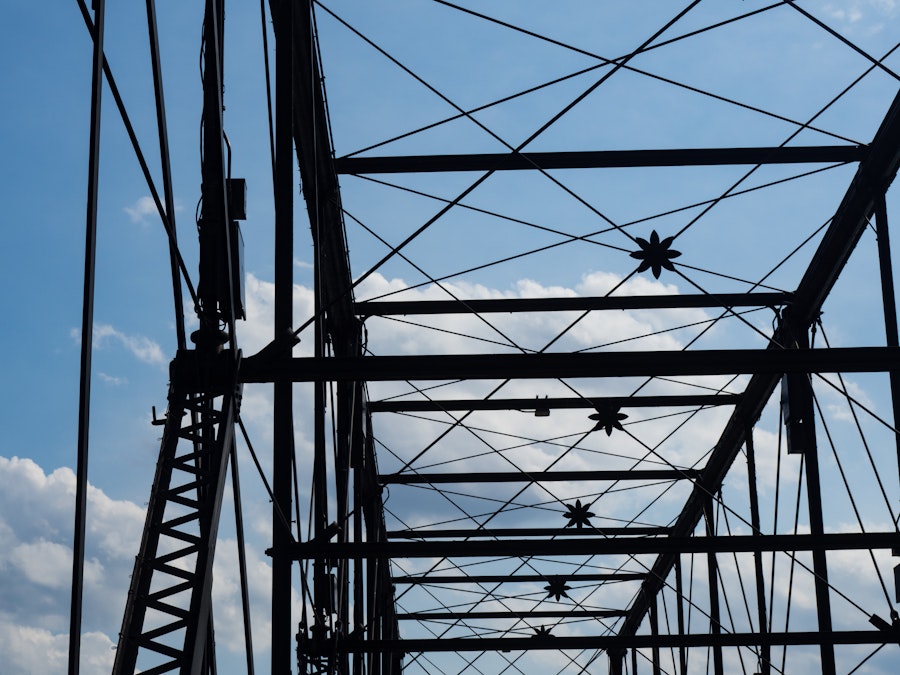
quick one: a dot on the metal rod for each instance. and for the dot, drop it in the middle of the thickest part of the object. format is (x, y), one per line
(571, 403)
(820, 565)
(890, 306)
(163, 134)
(359, 598)
(341, 466)
(87, 333)
(765, 652)
(138, 153)
(518, 578)
(537, 476)
(282, 629)
(715, 621)
(528, 532)
(595, 546)
(581, 304)
(242, 556)
(612, 642)
(512, 614)
(654, 631)
(601, 159)
(679, 608)
(840, 239)
(565, 365)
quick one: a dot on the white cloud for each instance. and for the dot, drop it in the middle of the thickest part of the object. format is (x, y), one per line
(112, 380)
(862, 16)
(36, 566)
(27, 650)
(36, 521)
(141, 209)
(141, 347)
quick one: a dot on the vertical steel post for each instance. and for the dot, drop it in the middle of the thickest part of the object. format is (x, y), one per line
(214, 218)
(765, 654)
(357, 440)
(820, 565)
(87, 334)
(163, 134)
(282, 656)
(679, 590)
(616, 661)
(654, 631)
(342, 491)
(713, 572)
(323, 589)
(890, 306)
(359, 600)
(242, 556)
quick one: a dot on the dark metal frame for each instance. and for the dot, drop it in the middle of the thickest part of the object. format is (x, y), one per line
(350, 549)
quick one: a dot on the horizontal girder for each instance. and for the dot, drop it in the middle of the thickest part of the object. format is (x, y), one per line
(536, 476)
(518, 578)
(634, 531)
(596, 546)
(601, 159)
(513, 614)
(618, 642)
(567, 365)
(579, 304)
(571, 403)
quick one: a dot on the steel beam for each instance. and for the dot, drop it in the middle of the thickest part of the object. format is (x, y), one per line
(537, 476)
(851, 218)
(87, 330)
(528, 532)
(438, 579)
(596, 546)
(616, 642)
(602, 159)
(573, 403)
(286, 37)
(582, 304)
(767, 362)
(513, 614)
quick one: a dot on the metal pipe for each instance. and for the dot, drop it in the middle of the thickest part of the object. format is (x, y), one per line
(87, 333)
(890, 307)
(282, 633)
(165, 164)
(765, 652)
(242, 556)
(715, 619)
(679, 604)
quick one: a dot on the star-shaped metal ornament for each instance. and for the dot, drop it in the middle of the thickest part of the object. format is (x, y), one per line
(542, 631)
(608, 418)
(578, 514)
(557, 587)
(655, 254)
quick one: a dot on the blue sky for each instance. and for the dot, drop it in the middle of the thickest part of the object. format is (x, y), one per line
(779, 62)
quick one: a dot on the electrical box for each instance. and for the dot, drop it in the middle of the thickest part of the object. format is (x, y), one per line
(797, 408)
(237, 198)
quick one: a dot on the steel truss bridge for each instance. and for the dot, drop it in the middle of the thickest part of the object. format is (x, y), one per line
(560, 398)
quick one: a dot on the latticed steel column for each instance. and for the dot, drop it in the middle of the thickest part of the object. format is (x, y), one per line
(171, 587)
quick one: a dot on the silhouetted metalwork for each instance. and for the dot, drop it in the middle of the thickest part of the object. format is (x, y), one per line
(349, 561)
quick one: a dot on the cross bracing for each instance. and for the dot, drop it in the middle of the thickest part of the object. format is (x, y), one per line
(600, 351)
